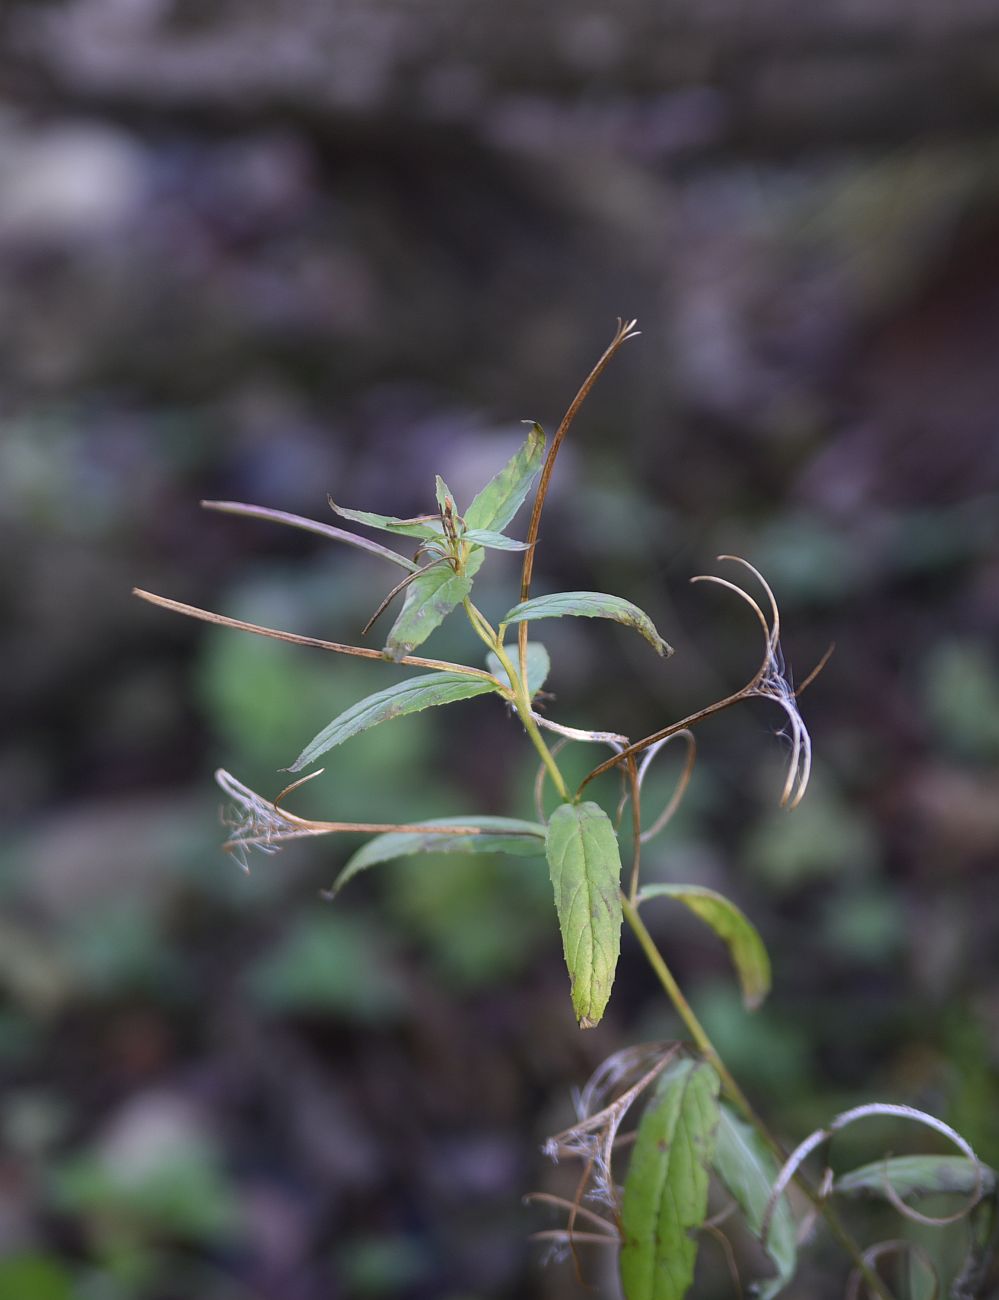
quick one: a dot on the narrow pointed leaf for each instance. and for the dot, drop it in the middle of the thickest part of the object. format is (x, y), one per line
(497, 835)
(428, 530)
(666, 1191)
(493, 541)
(538, 666)
(589, 604)
(745, 946)
(428, 601)
(410, 696)
(747, 1167)
(914, 1176)
(443, 494)
(585, 865)
(503, 495)
(311, 526)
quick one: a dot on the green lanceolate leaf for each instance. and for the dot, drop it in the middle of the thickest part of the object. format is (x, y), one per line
(666, 1191)
(503, 495)
(585, 865)
(745, 946)
(913, 1176)
(493, 541)
(405, 697)
(428, 601)
(496, 835)
(427, 529)
(538, 666)
(746, 1166)
(589, 604)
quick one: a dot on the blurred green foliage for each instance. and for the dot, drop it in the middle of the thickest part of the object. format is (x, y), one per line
(829, 839)
(482, 921)
(962, 697)
(34, 1277)
(329, 964)
(179, 1196)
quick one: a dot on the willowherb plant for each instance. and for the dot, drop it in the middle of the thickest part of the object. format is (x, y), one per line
(698, 1131)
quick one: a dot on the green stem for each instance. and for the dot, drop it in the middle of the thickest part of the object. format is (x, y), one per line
(683, 1008)
(481, 626)
(520, 692)
(522, 703)
(710, 1053)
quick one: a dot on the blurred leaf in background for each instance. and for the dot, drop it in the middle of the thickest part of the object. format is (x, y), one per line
(961, 684)
(481, 920)
(333, 964)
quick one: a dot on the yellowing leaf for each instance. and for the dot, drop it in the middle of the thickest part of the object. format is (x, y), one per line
(745, 946)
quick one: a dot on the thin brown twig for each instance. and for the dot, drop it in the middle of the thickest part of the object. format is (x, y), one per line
(768, 682)
(364, 828)
(816, 670)
(665, 733)
(563, 1203)
(310, 826)
(676, 798)
(636, 825)
(576, 1206)
(733, 1269)
(256, 822)
(295, 785)
(362, 652)
(310, 526)
(625, 330)
(399, 586)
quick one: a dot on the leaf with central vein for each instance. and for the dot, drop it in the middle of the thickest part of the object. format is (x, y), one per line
(747, 1167)
(496, 835)
(589, 604)
(666, 1191)
(428, 601)
(429, 530)
(493, 541)
(538, 666)
(503, 495)
(585, 865)
(744, 943)
(405, 697)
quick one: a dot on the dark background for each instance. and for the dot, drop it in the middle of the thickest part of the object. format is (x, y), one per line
(266, 251)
